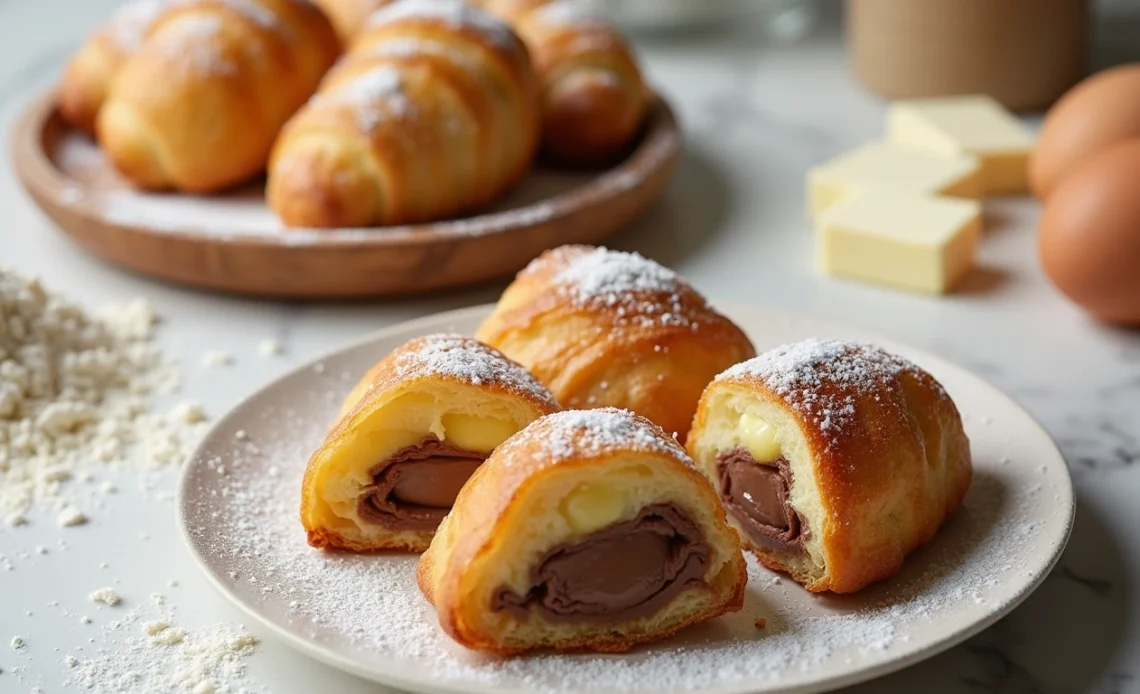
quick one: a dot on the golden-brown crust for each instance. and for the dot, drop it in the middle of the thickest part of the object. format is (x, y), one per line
(200, 103)
(402, 369)
(446, 121)
(902, 448)
(595, 99)
(653, 349)
(487, 505)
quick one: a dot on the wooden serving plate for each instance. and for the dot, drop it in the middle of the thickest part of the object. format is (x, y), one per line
(234, 242)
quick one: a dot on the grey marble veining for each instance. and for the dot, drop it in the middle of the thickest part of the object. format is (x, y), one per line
(756, 116)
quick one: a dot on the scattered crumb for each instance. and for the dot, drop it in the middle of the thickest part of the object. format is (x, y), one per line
(107, 596)
(40, 549)
(16, 519)
(71, 661)
(188, 412)
(17, 643)
(172, 583)
(215, 358)
(70, 517)
(761, 622)
(84, 620)
(240, 435)
(269, 348)
(108, 488)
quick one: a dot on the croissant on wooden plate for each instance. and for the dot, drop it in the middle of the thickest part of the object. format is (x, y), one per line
(198, 105)
(433, 111)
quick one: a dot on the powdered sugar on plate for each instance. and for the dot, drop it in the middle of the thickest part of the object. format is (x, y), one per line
(465, 359)
(244, 527)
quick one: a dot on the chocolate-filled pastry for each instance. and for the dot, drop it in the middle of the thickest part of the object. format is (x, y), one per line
(606, 328)
(834, 459)
(409, 436)
(588, 530)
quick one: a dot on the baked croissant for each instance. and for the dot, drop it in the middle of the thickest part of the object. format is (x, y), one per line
(586, 530)
(432, 112)
(89, 73)
(834, 459)
(198, 106)
(348, 16)
(594, 97)
(409, 435)
(602, 327)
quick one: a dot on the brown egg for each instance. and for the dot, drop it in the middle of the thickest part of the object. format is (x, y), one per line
(1090, 234)
(1097, 113)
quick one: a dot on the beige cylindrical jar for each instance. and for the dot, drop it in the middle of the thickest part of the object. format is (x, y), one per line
(1024, 53)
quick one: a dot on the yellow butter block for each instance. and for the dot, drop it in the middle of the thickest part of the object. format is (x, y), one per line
(918, 242)
(975, 125)
(890, 166)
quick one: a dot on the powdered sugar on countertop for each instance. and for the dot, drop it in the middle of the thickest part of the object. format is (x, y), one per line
(246, 524)
(466, 359)
(801, 373)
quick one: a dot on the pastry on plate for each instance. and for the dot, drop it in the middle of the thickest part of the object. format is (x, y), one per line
(588, 530)
(90, 71)
(834, 459)
(198, 105)
(594, 98)
(409, 436)
(433, 111)
(607, 328)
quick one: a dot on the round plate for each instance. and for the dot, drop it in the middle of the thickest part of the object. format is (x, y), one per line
(234, 242)
(364, 614)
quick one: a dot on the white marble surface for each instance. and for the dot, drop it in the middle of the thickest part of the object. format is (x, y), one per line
(756, 115)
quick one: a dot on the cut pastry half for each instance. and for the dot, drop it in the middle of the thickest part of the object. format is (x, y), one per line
(834, 459)
(409, 436)
(587, 530)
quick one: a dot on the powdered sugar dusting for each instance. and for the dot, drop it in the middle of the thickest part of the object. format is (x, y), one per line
(466, 359)
(374, 95)
(569, 13)
(575, 433)
(455, 13)
(800, 371)
(129, 24)
(637, 289)
(191, 42)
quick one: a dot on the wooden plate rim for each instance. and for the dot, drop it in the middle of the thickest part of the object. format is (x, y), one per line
(659, 147)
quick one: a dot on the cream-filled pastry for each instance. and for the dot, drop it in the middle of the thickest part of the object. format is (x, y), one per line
(409, 436)
(604, 328)
(834, 459)
(588, 530)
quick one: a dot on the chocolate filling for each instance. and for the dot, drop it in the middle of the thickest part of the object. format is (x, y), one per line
(415, 489)
(625, 571)
(757, 496)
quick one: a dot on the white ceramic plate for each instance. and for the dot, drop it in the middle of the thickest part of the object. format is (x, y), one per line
(364, 614)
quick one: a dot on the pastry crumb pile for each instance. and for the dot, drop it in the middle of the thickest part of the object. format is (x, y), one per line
(75, 396)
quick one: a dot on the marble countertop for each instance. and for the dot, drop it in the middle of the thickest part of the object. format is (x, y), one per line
(756, 116)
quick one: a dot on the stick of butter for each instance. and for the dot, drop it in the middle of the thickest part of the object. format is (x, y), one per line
(915, 241)
(975, 125)
(889, 166)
